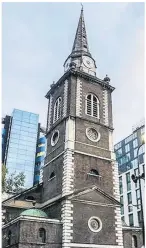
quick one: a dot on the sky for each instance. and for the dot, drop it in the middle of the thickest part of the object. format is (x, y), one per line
(38, 37)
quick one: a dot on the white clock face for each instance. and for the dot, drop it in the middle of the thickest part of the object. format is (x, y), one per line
(67, 64)
(88, 62)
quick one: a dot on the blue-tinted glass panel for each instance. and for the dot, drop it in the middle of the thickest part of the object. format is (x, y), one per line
(12, 155)
(16, 122)
(13, 130)
(13, 145)
(13, 140)
(17, 127)
(20, 161)
(13, 150)
(24, 133)
(20, 151)
(15, 136)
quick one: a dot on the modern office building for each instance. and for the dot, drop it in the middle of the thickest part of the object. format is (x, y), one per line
(39, 162)
(128, 155)
(20, 135)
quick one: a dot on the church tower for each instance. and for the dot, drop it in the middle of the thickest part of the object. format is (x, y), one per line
(80, 172)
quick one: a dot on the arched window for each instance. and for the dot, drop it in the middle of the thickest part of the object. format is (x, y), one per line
(42, 235)
(134, 241)
(92, 105)
(9, 237)
(57, 109)
(93, 172)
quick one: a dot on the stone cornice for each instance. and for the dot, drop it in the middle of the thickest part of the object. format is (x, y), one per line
(82, 74)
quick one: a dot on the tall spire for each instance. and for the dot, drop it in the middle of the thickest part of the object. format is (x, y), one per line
(80, 57)
(80, 42)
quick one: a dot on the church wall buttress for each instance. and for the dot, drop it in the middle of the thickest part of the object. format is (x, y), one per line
(49, 113)
(118, 224)
(68, 183)
(65, 98)
(105, 108)
(79, 98)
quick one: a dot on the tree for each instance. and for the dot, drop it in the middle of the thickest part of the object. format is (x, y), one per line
(14, 182)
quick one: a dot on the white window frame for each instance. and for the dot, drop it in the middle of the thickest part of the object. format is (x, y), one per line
(57, 109)
(127, 148)
(135, 143)
(92, 106)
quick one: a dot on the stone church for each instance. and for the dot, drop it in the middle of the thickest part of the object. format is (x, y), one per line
(77, 204)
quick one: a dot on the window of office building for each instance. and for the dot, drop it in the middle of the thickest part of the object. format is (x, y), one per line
(142, 149)
(129, 198)
(142, 130)
(128, 139)
(128, 166)
(139, 218)
(134, 135)
(128, 181)
(141, 158)
(135, 143)
(122, 207)
(131, 220)
(135, 152)
(117, 146)
(136, 174)
(134, 163)
(130, 208)
(138, 203)
(127, 148)
(120, 185)
(119, 153)
(138, 198)
(138, 193)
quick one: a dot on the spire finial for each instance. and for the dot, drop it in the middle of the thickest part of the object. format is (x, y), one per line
(81, 7)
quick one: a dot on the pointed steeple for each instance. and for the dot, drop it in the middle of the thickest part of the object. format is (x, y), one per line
(80, 42)
(80, 57)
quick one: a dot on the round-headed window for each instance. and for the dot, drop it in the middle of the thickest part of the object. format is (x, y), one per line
(55, 137)
(95, 224)
(92, 134)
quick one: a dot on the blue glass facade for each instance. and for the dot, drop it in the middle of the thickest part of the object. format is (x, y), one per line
(22, 145)
(126, 151)
(39, 162)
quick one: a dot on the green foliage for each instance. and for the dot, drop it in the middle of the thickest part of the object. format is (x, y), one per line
(13, 183)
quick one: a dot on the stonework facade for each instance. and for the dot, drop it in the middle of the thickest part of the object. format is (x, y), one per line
(79, 192)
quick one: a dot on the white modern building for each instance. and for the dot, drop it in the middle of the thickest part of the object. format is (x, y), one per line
(126, 154)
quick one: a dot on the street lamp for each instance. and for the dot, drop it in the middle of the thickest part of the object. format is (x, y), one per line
(135, 179)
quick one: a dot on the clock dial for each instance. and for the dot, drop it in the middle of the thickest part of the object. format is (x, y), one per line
(88, 62)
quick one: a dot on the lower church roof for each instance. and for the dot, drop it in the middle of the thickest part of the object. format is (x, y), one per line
(34, 212)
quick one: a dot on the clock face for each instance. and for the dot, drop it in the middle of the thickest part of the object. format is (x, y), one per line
(88, 62)
(67, 64)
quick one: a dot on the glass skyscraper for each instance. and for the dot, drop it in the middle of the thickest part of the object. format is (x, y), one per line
(21, 144)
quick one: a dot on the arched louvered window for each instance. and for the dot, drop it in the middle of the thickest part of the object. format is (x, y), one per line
(42, 235)
(9, 237)
(134, 241)
(57, 109)
(92, 105)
